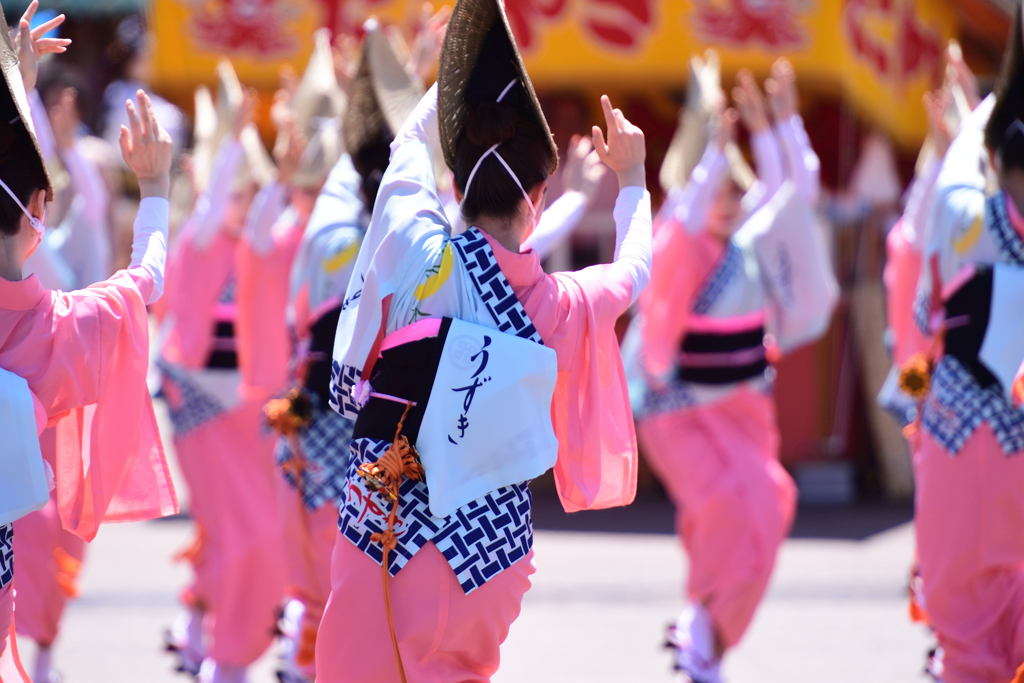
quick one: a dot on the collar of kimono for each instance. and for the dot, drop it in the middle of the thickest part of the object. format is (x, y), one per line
(1016, 220)
(21, 296)
(521, 270)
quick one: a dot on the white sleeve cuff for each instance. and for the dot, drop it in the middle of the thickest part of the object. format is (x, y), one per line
(149, 247)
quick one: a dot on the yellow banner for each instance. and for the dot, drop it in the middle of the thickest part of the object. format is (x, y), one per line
(191, 36)
(881, 55)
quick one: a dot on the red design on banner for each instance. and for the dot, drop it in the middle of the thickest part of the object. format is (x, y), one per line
(914, 47)
(524, 16)
(258, 27)
(766, 23)
(618, 23)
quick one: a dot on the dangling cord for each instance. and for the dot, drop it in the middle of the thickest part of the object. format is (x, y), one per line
(916, 379)
(385, 476)
(14, 654)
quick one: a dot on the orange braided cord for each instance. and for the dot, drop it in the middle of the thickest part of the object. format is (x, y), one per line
(385, 477)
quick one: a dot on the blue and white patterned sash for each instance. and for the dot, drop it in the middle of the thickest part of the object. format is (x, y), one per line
(491, 533)
(325, 443)
(956, 406)
(6, 554)
(195, 407)
(727, 269)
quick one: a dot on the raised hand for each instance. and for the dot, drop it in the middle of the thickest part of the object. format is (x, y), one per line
(583, 168)
(345, 51)
(750, 102)
(146, 148)
(783, 99)
(427, 45)
(958, 73)
(64, 118)
(625, 149)
(726, 128)
(935, 105)
(245, 114)
(30, 44)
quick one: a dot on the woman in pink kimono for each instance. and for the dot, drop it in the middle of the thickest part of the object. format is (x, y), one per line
(226, 455)
(707, 421)
(84, 353)
(968, 466)
(454, 550)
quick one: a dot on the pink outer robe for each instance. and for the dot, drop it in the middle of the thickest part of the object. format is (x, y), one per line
(228, 464)
(84, 355)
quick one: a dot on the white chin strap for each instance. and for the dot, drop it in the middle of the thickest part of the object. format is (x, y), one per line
(493, 151)
(36, 224)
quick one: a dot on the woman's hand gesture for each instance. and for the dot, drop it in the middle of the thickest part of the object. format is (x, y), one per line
(583, 169)
(146, 148)
(783, 98)
(30, 44)
(750, 102)
(624, 151)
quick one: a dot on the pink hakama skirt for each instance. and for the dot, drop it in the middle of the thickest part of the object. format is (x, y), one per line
(239, 566)
(309, 537)
(969, 520)
(444, 635)
(734, 501)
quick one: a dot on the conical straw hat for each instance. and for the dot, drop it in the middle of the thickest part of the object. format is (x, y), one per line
(15, 120)
(318, 96)
(479, 58)
(257, 167)
(230, 98)
(321, 154)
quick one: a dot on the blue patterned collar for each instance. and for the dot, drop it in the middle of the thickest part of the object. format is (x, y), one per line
(1009, 243)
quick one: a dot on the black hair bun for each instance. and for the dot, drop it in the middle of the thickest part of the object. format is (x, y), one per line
(490, 124)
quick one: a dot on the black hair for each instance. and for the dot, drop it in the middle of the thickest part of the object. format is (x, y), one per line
(129, 39)
(55, 77)
(21, 170)
(522, 143)
(1004, 133)
(371, 160)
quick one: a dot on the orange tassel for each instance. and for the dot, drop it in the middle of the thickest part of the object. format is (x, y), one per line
(288, 415)
(916, 376)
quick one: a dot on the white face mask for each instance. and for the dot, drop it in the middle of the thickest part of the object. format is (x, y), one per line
(38, 224)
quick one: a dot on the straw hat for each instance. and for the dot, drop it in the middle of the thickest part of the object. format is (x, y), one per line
(15, 121)
(318, 96)
(321, 154)
(479, 58)
(696, 122)
(382, 94)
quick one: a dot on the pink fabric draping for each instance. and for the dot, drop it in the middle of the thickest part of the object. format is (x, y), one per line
(443, 634)
(575, 314)
(11, 670)
(85, 356)
(228, 464)
(48, 560)
(264, 345)
(968, 517)
(194, 282)
(902, 272)
(681, 263)
(734, 501)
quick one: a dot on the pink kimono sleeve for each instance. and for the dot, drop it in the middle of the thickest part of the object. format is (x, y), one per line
(901, 275)
(597, 448)
(110, 463)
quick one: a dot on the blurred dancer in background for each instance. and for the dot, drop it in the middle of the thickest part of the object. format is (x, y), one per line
(224, 453)
(707, 420)
(967, 464)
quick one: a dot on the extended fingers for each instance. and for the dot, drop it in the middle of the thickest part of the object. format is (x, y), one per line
(126, 144)
(48, 46)
(44, 28)
(609, 114)
(133, 121)
(30, 11)
(599, 144)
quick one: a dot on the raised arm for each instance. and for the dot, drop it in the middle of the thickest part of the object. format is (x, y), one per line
(802, 163)
(146, 148)
(624, 152)
(767, 156)
(696, 196)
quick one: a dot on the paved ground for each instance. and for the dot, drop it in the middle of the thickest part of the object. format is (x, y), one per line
(605, 587)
